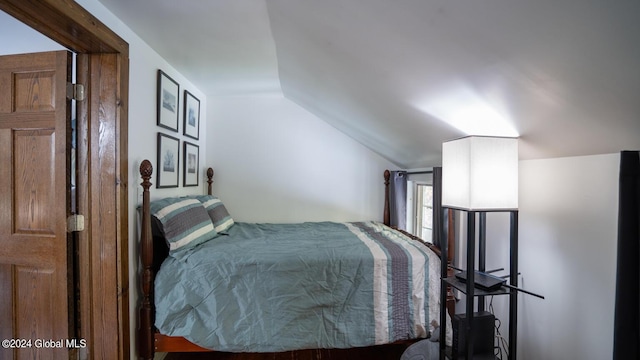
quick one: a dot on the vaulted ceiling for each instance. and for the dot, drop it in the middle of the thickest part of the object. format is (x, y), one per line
(403, 76)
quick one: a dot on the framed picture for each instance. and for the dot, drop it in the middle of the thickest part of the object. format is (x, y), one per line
(191, 115)
(168, 161)
(191, 164)
(168, 94)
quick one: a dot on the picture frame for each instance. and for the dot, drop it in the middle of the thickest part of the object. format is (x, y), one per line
(191, 164)
(191, 116)
(168, 102)
(168, 161)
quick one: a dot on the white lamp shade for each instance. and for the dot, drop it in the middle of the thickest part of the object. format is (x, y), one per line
(480, 173)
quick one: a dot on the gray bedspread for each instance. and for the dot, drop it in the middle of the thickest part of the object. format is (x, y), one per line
(279, 287)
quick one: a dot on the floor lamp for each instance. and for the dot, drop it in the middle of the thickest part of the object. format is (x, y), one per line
(480, 175)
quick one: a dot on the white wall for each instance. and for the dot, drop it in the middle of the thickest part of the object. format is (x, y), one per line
(568, 243)
(276, 162)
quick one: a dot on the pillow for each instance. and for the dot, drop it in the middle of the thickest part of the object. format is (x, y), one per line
(184, 222)
(218, 213)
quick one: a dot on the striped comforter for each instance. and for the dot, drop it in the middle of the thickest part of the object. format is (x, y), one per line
(279, 287)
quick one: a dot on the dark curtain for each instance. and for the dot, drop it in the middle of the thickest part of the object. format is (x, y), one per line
(438, 217)
(398, 199)
(626, 327)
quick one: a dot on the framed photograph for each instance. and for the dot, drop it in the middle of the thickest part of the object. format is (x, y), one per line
(168, 94)
(168, 161)
(191, 164)
(191, 115)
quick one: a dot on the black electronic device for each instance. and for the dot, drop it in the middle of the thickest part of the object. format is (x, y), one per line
(483, 335)
(483, 280)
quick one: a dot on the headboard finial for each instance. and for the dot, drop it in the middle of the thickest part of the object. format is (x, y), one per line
(209, 180)
(146, 169)
(386, 219)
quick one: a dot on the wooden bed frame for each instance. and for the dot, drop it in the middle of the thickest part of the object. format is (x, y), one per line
(149, 340)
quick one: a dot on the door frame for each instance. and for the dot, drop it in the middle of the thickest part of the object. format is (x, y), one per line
(103, 67)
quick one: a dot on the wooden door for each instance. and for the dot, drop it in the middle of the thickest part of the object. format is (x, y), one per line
(34, 203)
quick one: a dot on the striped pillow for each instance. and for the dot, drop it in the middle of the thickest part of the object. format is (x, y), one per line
(218, 213)
(184, 222)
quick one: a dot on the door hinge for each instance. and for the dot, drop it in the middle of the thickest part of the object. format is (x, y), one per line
(75, 92)
(75, 223)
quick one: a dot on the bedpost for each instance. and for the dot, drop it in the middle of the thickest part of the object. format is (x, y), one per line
(451, 237)
(209, 181)
(451, 249)
(145, 332)
(386, 217)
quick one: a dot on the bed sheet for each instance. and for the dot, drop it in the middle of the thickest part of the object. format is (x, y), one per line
(280, 287)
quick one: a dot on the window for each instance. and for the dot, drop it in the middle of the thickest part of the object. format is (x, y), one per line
(424, 212)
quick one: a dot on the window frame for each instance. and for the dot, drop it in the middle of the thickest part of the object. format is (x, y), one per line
(418, 207)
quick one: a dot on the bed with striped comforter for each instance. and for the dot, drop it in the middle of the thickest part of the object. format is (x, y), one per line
(279, 287)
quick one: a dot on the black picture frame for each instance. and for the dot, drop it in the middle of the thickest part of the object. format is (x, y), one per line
(168, 161)
(168, 102)
(191, 116)
(191, 164)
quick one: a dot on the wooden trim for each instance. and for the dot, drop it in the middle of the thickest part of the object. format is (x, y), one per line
(67, 23)
(103, 167)
(105, 234)
(122, 198)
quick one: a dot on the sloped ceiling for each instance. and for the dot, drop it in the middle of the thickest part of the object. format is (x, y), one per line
(399, 76)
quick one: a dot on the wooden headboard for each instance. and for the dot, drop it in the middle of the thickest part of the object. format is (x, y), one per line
(153, 251)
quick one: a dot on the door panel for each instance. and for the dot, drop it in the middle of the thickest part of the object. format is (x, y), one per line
(34, 202)
(32, 175)
(34, 91)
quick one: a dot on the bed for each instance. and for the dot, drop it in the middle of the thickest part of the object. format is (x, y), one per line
(241, 287)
